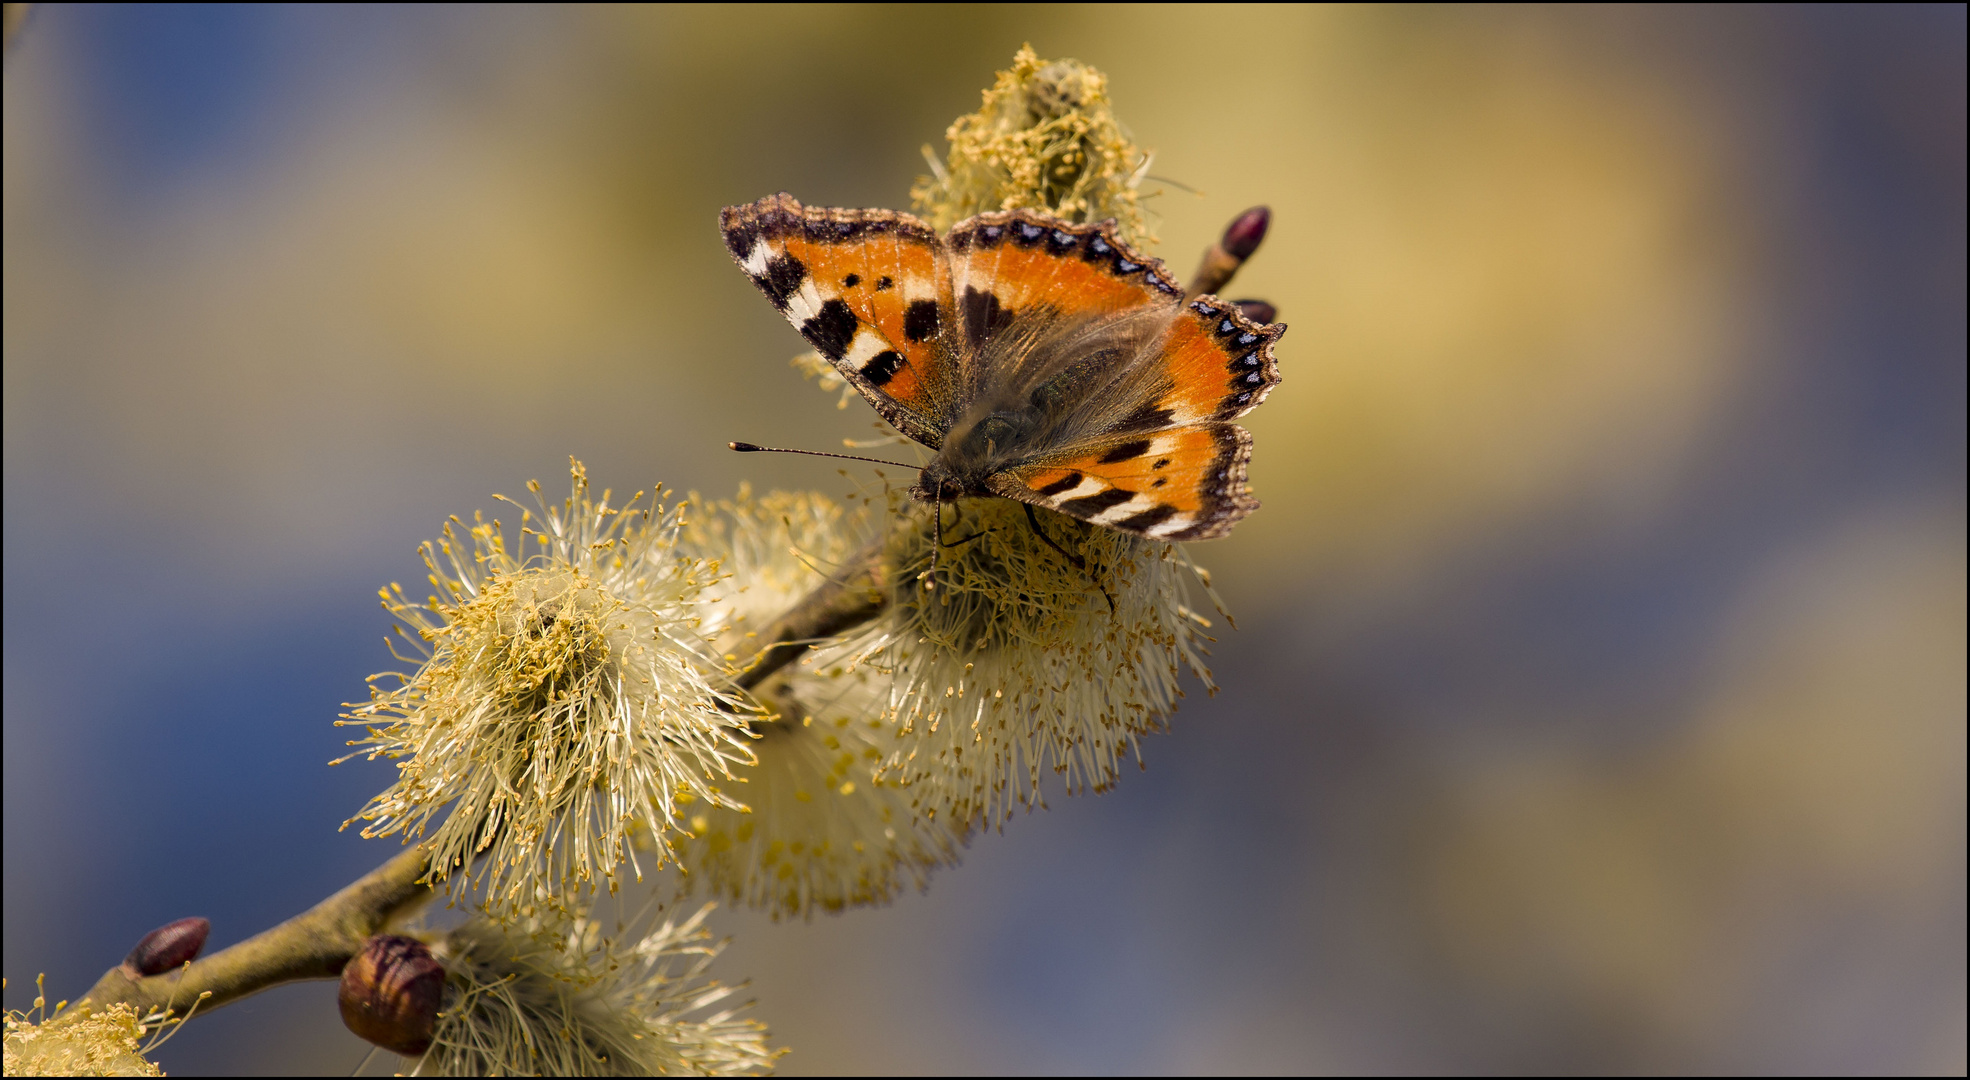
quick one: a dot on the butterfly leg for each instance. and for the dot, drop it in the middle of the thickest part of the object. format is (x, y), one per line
(968, 539)
(1080, 564)
(936, 537)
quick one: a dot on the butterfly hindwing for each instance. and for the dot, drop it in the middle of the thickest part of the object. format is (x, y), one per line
(869, 289)
(1215, 364)
(1185, 483)
(1173, 467)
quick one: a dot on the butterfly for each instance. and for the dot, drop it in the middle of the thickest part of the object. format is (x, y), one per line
(1042, 361)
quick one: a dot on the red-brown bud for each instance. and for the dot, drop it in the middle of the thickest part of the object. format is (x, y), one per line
(171, 945)
(391, 992)
(1242, 236)
(1257, 310)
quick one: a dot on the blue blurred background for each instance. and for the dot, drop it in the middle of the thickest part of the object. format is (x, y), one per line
(1598, 696)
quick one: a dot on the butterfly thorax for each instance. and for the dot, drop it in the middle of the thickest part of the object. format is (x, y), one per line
(978, 446)
(1046, 392)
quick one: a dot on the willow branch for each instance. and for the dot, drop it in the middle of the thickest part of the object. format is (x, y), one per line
(318, 942)
(851, 596)
(312, 945)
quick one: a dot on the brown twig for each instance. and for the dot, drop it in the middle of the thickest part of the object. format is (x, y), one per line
(852, 595)
(312, 945)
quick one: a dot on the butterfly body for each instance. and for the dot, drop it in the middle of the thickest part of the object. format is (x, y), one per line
(1042, 361)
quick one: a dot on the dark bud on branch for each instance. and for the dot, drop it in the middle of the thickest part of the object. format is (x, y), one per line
(391, 992)
(1257, 310)
(172, 945)
(1243, 236)
(1241, 239)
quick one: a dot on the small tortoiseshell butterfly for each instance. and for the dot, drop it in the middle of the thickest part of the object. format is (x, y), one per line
(1043, 361)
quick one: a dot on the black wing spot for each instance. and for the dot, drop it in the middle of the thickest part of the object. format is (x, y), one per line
(1090, 505)
(983, 316)
(1126, 452)
(920, 319)
(1160, 462)
(1160, 481)
(831, 329)
(1066, 483)
(1155, 515)
(1147, 418)
(883, 367)
(883, 283)
(782, 279)
(851, 281)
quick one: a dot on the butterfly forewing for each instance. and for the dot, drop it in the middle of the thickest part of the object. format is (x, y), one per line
(869, 289)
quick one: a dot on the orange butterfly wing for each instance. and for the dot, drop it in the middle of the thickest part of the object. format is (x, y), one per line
(1016, 260)
(1175, 467)
(1218, 364)
(869, 289)
(1183, 483)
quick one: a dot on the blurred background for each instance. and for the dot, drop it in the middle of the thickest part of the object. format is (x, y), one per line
(1597, 700)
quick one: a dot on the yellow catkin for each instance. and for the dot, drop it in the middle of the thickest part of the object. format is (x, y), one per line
(563, 700)
(1044, 138)
(580, 996)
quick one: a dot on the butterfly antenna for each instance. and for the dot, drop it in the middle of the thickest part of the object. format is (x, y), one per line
(749, 448)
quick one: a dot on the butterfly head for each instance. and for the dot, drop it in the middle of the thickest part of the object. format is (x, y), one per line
(975, 450)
